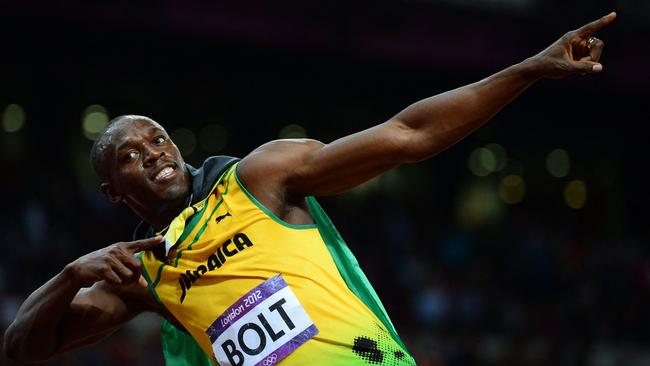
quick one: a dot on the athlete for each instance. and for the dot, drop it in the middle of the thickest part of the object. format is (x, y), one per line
(237, 256)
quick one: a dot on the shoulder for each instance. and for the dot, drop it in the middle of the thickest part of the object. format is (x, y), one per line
(275, 164)
(276, 159)
(285, 148)
(268, 172)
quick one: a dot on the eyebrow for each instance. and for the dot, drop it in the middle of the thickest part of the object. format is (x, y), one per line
(154, 129)
(128, 142)
(124, 144)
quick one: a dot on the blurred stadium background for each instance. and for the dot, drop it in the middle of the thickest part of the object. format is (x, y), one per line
(525, 244)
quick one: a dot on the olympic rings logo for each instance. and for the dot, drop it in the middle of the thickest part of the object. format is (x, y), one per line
(269, 361)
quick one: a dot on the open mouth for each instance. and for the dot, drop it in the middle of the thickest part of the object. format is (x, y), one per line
(165, 173)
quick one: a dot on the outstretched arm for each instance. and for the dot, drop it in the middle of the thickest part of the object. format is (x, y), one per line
(60, 315)
(303, 167)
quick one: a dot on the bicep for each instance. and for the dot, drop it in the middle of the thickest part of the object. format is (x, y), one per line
(308, 167)
(94, 314)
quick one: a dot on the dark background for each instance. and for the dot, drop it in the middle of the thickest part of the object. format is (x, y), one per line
(467, 278)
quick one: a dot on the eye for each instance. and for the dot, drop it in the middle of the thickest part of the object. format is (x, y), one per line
(130, 155)
(159, 140)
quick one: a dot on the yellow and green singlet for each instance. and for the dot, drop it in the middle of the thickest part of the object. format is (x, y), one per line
(252, 289)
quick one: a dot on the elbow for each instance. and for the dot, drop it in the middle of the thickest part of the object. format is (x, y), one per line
(15, 354)
(10, 346)
(16, 350)
(406, 143)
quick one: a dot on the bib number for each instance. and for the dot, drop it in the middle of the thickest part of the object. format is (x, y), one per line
(262, 327)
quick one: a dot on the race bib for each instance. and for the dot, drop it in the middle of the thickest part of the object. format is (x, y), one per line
(262, 327)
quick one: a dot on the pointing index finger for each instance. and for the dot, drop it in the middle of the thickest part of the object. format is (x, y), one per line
(588, 29)
(140, 245)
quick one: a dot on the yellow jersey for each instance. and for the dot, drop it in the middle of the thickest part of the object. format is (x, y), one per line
(252, 289)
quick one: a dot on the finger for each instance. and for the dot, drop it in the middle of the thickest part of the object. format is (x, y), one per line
(124, 253)
(122, 270)
(587, 67)
(111, 277)
(596, 50)
(133, 264)
(142, 281)
(130, 261)
(137, 274)
(135, 278)
(588, 29)
(140, 245)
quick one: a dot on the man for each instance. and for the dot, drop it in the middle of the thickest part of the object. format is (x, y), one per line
(249, 265)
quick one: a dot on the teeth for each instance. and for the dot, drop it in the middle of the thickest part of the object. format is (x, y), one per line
(164, 173)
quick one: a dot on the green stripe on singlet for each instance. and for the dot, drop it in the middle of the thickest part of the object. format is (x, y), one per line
(205, 223)
(268, 212)
(180, 349)
(148, 278)
(188, 229)
(349, 268)
(192, 224)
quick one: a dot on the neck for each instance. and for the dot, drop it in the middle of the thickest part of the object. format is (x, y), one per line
(166, 218)
(163, 214)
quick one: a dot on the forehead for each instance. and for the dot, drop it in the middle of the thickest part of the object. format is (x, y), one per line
(129, 129)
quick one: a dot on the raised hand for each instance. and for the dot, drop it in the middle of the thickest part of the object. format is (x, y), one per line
(115, 264)
(577, 52)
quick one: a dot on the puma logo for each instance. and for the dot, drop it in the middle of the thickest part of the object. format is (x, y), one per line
(219, 218)
(367, 349)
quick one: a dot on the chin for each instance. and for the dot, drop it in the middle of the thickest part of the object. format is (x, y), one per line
(176, 192)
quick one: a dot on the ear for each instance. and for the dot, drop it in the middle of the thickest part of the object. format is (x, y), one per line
(110, 192)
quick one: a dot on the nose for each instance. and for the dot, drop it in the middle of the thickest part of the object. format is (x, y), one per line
(151, 155)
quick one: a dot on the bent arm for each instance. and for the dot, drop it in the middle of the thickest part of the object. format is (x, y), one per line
(436, 123)
(420, 131)
(33, 334)
(308, 167)
(299, 168)
(60, 316)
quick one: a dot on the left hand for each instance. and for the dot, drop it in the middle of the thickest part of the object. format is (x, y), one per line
(577, 52)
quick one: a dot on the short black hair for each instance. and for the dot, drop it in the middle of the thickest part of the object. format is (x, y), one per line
(101, 144)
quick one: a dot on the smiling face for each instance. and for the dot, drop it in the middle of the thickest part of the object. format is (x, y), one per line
(144, 168)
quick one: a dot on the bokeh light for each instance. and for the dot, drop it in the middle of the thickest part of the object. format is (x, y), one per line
(185, 140)
(558, 163)
(482, 162)
(499, 154)
(575, 194)
(479, 206)
(13, 118)
(94, 120)
(512, 189)
(213, 138)
(292, 131)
